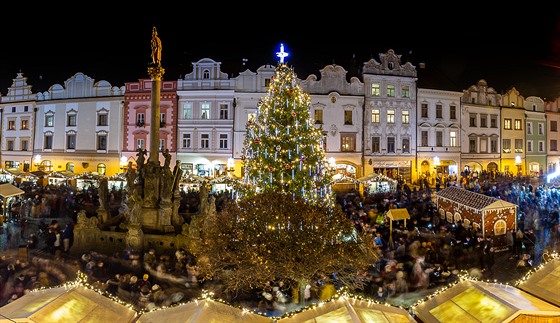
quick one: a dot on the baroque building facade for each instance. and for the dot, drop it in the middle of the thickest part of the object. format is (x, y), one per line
(381, 123)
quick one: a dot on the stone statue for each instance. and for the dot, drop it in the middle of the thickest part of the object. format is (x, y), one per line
(130, 178)
(156, 48)
(167, 157)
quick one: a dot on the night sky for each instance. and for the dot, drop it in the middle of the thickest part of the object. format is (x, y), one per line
(506, 47)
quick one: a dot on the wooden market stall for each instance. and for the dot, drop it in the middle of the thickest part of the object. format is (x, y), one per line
(7, 191)
(396, 215)
(486, 215)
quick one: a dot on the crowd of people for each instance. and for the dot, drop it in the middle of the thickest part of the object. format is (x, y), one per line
(425, 253)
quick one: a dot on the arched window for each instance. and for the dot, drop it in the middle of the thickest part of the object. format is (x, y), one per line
(500, 227)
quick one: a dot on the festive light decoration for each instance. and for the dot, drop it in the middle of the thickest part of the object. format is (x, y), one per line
(278, 147)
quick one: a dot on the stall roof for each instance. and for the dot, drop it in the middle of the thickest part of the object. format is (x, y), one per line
(17, 172)
(474, 301)
(545, 282)
(202, 311)
(71, 304)
(350, 310)
(472, 199)
(398, 214)
(7, 190)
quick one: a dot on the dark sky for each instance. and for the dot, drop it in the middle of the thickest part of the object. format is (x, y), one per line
(508, 48)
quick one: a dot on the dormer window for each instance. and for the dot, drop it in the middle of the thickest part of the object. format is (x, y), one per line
(206, 74)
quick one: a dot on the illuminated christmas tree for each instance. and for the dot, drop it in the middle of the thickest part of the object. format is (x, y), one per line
(285, 224)
(283, 150)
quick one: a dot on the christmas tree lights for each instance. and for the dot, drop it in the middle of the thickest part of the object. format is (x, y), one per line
(283, 150)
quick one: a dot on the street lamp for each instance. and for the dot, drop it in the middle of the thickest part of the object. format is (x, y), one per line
(37, 161)
(518, 164)
(437, 163)
(230, 166)
(122, 163)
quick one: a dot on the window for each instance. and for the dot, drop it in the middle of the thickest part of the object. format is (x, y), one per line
(518, 145)
(14, 109)
(541, 128)
(484, 121)
(318, 116)
(347, 117)
(11, 144)
(391, 91)
(25, 145)
(102, 119)
(452, 112)
(375, 116)
(162, 120)
(162, 145)
(507, 124)
(424, 139)
(71, 141)
(25, 109)
(405, 117)
(205, 141)
(553, 145)
(187, 110)
(375, 144)
(506, 145)
(205, 111)
(206, 74)
(517, 124)
(406, 91)
(224, 109)
(452, 139)
(439, 138)
(140, 119)
(494, 121)
(424, 110)
(472, 145)
(140, 143)
(71, 120)
(391, 145)
(529, 145)
(493, 145)
(406, 145)
(325, 141)
(223, 141)
(348, 141)
(472, 119)
(541, 146)
(529, 128)
(390, 116)
(11, 125)
(375, 90)
(186, 143)
(49, 120)
(266, 82)
(101, 142)
(553, 126)
(24, 124)
(439, 111)
(48, 141)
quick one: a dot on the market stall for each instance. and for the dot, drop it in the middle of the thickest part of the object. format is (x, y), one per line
(485, 214)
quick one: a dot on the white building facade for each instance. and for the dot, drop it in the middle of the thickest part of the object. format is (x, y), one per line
(79, 127)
